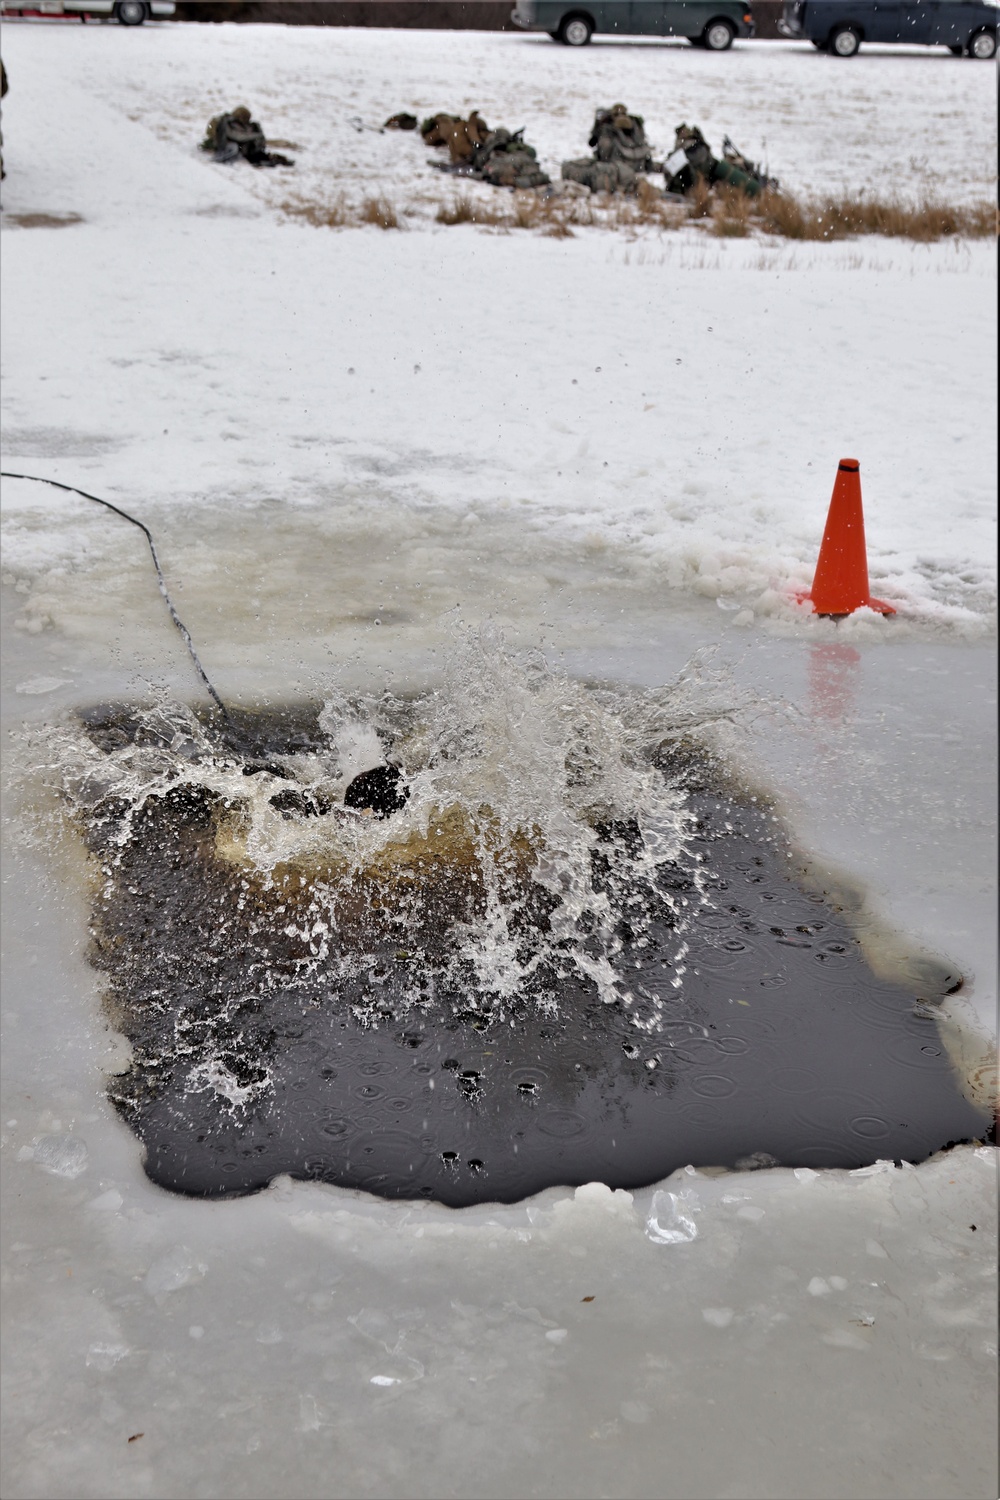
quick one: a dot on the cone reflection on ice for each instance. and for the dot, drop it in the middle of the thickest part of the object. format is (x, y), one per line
(841, 582)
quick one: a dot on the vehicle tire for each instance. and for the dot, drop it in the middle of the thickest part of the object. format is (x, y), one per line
(130, 12)
(844, 42)
(718, 36)
(983, 44)
(575, 31)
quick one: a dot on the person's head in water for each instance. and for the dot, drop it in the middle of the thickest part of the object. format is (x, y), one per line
(380, 790)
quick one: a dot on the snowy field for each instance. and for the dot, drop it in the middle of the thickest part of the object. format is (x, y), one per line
(508, 373)
(351, 446)
(906, 120)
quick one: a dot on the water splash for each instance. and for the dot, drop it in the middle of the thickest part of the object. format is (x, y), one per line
(577, 950)
(540, 849)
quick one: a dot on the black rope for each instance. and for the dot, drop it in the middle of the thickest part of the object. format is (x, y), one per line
(185, 633)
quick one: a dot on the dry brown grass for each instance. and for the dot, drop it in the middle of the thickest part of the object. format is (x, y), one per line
(520, 210)
(700, 199)
(335, 215)
(461, 210)
(464, 209)
(381, 211)
(722, 211)
(43, 220)
(732, 213)
(647, 208)
(857, 214)
(529, 211)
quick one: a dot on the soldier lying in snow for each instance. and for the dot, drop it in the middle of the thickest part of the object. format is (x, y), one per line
(504, 160)
(692, 160)
(460, 136)
(499, 157)
(621, 153)
(235, 134)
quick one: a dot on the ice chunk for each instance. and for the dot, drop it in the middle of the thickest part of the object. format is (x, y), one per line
(62, 1155)
(670, 1221)
(818, 1287)
(109, 1202)
(174, 1270)
(36, 685)
(718, 1317)
(598, 1194)
(557, 1335)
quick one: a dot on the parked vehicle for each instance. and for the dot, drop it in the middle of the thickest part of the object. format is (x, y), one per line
(706, 23)
(839, 27)
(125, 12)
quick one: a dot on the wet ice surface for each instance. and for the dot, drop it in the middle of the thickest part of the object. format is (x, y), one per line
(321, 1340)
(464, 1014)
(403, 1348)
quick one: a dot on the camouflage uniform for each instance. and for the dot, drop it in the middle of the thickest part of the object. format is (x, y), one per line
(236, 134)
(734, 158)
(460, 136)
(499, 157)
(699, 162)
(621, 153)
(504, 160)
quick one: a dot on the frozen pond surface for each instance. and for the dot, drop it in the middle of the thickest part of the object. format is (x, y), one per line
(756, 1334)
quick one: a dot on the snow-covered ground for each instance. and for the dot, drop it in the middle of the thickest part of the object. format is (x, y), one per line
(347, 442)
(595, 393)
(905, 120)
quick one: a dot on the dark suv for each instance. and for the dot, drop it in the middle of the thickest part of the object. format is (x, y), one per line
(705, 23)
(840, 26)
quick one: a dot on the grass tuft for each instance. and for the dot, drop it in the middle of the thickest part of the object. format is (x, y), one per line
(722, 211)
(731, 213)
(461, 210)
(380, 211)
(855, 214)
(333, 215)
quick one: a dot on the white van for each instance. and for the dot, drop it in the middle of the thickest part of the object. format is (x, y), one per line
(126, 12)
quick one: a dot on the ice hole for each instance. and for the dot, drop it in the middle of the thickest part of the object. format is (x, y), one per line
(600, 967)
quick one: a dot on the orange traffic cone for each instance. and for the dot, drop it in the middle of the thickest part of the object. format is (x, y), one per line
(841, 582)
